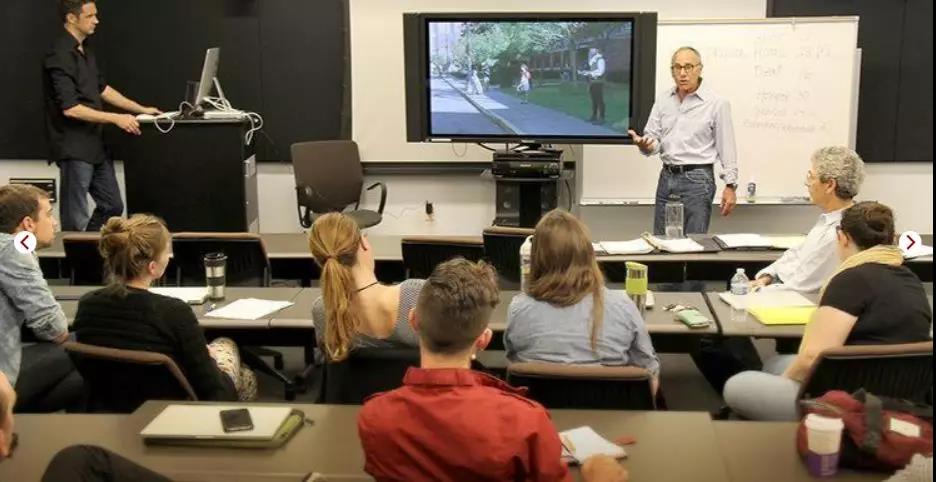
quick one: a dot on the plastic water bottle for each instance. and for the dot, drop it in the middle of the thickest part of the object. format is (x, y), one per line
(525, 254)
(740, 284)
(674, 217)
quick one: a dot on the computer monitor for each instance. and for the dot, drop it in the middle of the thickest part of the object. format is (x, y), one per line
(208, 75)
(551, 78)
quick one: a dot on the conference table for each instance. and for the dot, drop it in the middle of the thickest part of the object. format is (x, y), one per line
(670, 447)
(290, 258)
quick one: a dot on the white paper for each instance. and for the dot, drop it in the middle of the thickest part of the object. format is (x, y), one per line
(192, 296)
(770, 298)
(634, 246)
(248, 309)
(586, 443)
(917, 251)
(907, 429)
(744, 240)
(786, 242)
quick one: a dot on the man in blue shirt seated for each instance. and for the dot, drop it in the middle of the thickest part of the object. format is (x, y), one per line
(44, 377)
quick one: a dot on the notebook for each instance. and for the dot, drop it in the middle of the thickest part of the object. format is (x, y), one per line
(192, 296)
(578, 444)
(786, 242)
(769, 297)
(203, 422)
(743, 241)
(682, 245)
(789, 315)
(917, 251)
(634, 246)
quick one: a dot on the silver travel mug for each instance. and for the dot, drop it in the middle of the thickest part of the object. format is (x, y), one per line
(215, 264)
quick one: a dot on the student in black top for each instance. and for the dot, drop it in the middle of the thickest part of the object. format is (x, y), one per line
(75, 93)
(126, 315)
(872, 299)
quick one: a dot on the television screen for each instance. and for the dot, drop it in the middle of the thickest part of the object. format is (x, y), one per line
(543, 78)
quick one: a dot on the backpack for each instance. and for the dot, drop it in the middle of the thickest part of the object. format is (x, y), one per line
(880, 433)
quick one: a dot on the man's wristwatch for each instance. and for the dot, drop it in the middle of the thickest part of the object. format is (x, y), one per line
(732, 186)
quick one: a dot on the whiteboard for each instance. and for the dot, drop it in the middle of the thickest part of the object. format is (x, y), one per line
(792, 85)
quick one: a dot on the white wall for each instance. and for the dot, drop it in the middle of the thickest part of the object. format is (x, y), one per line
(464, 204)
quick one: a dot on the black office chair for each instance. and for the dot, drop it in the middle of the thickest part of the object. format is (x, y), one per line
(584, 386)
(329, 177)
(502, 249)
(423, 253)
(365, 372)
(903, 371)
(247, 260)
(85, 264)
(119, 381)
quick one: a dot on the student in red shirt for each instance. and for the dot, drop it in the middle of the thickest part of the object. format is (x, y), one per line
(449, 423)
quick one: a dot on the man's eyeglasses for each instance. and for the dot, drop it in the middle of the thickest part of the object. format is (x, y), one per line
(679, 68)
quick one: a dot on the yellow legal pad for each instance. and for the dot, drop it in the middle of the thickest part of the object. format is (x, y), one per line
(782, 315)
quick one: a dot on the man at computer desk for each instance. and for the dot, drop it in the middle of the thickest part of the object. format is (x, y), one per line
(75, 90)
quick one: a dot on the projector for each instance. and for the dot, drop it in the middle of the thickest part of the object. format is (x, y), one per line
(527, 164)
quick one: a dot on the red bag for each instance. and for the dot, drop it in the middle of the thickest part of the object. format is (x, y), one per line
(872, 439)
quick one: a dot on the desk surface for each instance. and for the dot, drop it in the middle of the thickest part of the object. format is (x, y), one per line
(746, 324)
(299, 315)
(766, 452)
(331, 445)
(387, 248)
(70, 305)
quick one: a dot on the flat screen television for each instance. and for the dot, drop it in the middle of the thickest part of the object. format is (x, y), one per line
(533, 78)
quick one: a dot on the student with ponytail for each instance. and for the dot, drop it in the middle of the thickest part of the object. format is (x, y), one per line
(355, 310)
(125, 315)
(871, 299)
(567, 315)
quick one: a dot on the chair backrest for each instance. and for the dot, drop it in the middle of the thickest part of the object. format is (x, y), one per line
(329, 175)
(86, 266)
(502, 249)
(422, 254)
(119, 381)
(899, 371)
(247, 260)
(365, 372)
(584, 386)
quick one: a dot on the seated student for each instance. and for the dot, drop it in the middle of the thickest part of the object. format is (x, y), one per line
(834, 178)
(448, 422)
(355, 310)
(42, 372)
(567, 315)
(872, 299)
(126, 315)
(79, 463)
(833, 181)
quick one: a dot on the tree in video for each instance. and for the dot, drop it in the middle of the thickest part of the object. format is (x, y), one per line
(530, 78)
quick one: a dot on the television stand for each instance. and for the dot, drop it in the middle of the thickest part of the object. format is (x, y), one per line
(527, 185)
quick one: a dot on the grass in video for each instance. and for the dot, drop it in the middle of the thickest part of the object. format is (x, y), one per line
(530, 78)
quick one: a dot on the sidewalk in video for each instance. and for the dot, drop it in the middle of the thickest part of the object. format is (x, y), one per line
(500, 113)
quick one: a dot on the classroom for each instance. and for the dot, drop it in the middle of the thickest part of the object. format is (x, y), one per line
(466, 240)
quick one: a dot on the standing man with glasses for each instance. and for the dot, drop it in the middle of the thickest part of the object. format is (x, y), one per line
(690, 128)
(75, 93)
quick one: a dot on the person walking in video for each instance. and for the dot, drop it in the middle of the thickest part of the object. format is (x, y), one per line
(595, 74)
(525, 83)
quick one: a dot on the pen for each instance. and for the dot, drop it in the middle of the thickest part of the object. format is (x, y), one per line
(567, 444)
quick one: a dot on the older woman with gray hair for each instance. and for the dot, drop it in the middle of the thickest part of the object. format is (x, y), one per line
(833, 180)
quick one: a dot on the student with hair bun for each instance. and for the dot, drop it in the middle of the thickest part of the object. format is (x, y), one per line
(871, 299)
(355, 310)
(126, 315)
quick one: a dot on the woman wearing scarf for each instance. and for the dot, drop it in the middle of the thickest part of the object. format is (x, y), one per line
(871, 299)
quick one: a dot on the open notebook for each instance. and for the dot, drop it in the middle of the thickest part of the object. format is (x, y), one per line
(578, 444)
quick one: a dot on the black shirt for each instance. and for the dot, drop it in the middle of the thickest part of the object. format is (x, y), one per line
(141, 320)
(889, 301)
(71, 78)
